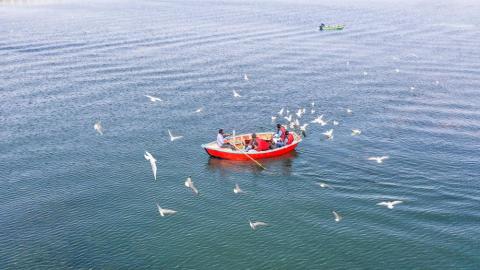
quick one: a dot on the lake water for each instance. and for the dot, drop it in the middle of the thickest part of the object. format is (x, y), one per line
(70, 198)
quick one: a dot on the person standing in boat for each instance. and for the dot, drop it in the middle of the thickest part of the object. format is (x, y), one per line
(280, 135)
(320, 28)
(221, 142)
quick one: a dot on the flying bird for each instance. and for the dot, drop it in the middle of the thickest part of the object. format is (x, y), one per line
(235, 94)
(312, 111)
(173, 138)
(199, 110)
(153, 163)
(313, 103)
(274, 118)
(237, 189)
(163, 211)
(365, 73)
(299, 113)
(328, 134)
(319, 120)
(412, 87)
(153, 99)
(281, 112)
(335, 123)
(289, 118)
(189, 184)
(304, 127)
(356, 132)
(245, 77)
(390, 204)
(337, 216)
(349, 111)
(255, 224)
(322, 185)
(397, 70)
(98, 127)
(378, 159)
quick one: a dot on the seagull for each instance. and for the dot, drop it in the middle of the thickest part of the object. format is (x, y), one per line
(98, 127)
(199, 110)
(356, 132)
(288, 112)
(397, 70)
(349, 111)
(304, 110)
(337, 216)
(189, 184)
(313, 103)
(365, 73)
(437, 82)
(412, 87)
(163, 211)
(329, 134)
(235, 94)
(304, 127)
(378, 159)
(153, 163)
(390, 204)
(299, 113)
(153, 99)
(281, 112)
(335, 123)
(256, 224)
(289, 118)
(296, 122)
(323, 185)
(348, 63)
(173, 138)
(237, 189)
(274, 118)
(245, 77)
(319, 120)
(312, 111)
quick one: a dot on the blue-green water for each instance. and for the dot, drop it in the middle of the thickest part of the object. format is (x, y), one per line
(70, 198)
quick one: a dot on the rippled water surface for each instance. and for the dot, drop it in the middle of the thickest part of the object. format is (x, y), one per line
(70, 198)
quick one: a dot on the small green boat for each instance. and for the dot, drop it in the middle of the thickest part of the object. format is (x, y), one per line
(323, 27)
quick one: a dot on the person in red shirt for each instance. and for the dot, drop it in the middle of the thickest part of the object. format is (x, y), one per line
(258, 144)
(288, 138)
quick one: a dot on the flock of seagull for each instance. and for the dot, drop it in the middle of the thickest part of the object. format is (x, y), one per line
(293, 123)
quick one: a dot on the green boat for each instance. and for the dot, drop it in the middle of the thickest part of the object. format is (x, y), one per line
(323, 27)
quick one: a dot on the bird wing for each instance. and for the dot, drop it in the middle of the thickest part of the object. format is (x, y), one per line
(372, 158)
(384, 157)
(337, 216)
(259, 223)
(382, 203)
(396, 202)
(154, 168)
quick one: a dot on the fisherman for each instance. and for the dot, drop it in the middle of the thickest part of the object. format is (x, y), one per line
(221, 142)
(320, 28)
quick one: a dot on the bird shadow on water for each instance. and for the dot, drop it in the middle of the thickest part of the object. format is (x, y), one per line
(274, 166)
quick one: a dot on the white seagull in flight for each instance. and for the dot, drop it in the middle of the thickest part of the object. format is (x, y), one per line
(163, 211)
(237, 189)
(255, 224)
(235, 94)
(337, 216)
(390, 204)
(189, 184)
(98, 127)
(173, 138)
(329, 134)
(153, 99)
(378, 159)
(153, 163)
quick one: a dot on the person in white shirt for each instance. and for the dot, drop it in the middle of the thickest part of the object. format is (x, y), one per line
(221, 140)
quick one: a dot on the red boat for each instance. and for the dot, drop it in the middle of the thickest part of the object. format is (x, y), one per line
(240, 141)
